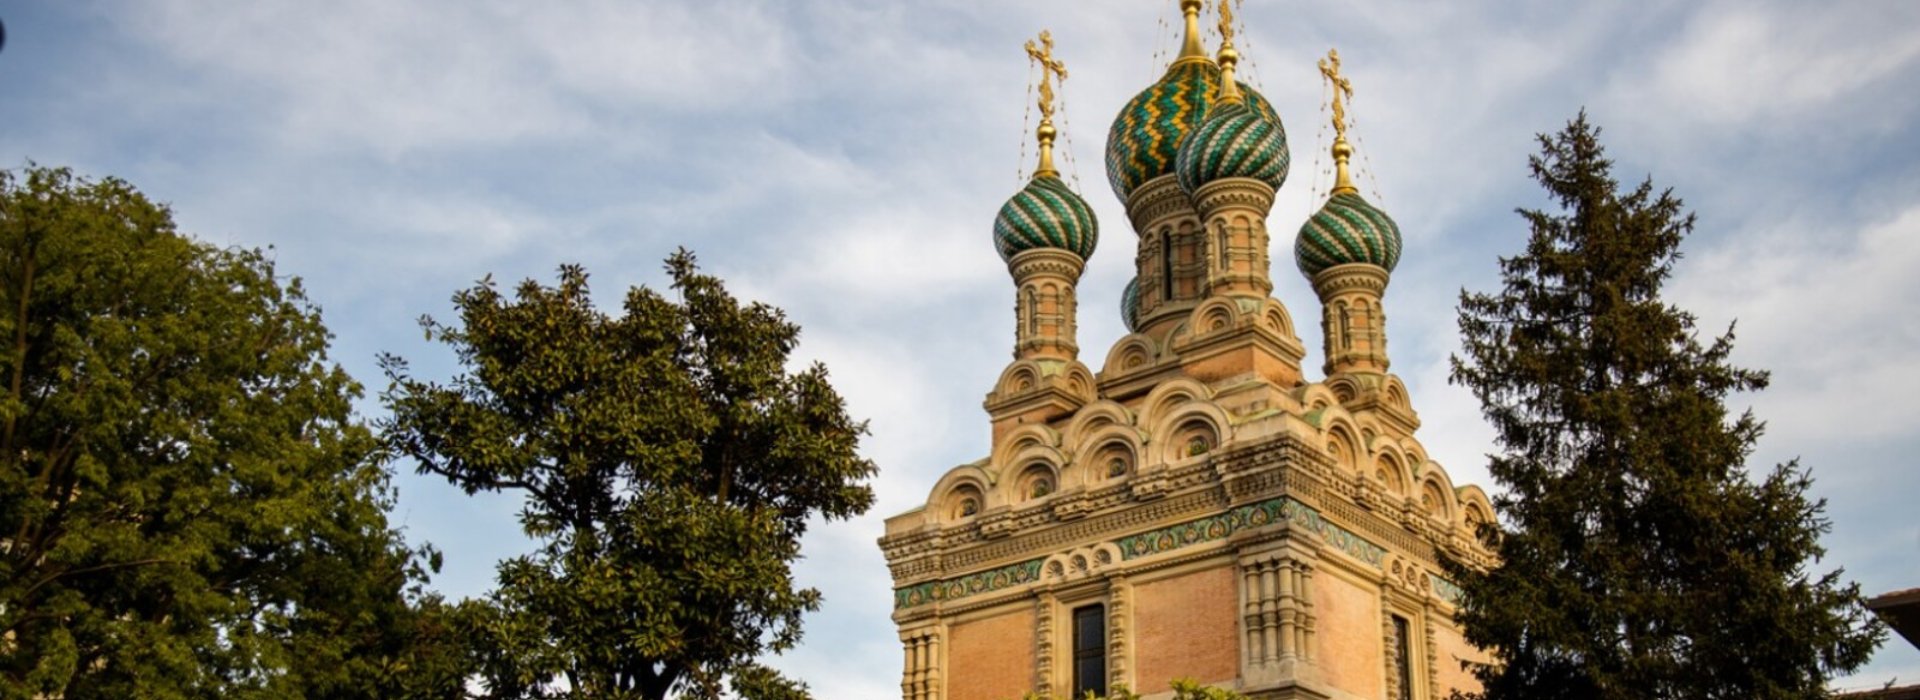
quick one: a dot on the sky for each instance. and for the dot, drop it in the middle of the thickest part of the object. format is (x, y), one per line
(844, 161)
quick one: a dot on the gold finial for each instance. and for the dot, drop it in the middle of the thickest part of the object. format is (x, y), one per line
(1049, 67)
(1330, 69)
(1191, 50)
(1229, 87)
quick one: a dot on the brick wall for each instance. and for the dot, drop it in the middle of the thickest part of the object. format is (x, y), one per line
(1186, 627)
(1350, 636)
(991, 658)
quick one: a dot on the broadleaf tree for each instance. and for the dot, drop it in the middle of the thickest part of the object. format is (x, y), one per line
(669, 464)
(188, 506)
(1638, 555)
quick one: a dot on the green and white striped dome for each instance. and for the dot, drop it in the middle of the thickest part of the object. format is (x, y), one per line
(1045, 214)
(1347, 230)
(1130, 305)
(1234, 141)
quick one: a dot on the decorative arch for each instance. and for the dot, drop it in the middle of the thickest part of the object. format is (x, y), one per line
(1096, 417)
(967, 479)
(1389, 469)
(1317, 397)
(1133, 353)
(1475, 509)
(1019, 377)
(1097, 451)
(1034, 481)
(1436, 497)
(1192, 437)
(963, 503)
(1395, 394)
(1169, 396)
(1344, 389)
(1275, 318)
(1079, 381)
(1189, 430)
(1343, 444)
(1080, 562)
(1214, 315)
(1025, 444)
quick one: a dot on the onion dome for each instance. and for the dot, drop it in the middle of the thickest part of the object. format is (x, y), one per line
(1045, 214)
(1145, 139)
(1130, 305)
(1233, 140)
(1347, 229)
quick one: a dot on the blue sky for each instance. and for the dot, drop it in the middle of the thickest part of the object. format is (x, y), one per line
(844, 161)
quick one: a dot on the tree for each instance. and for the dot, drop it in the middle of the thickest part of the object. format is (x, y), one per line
(669, 463)
(1639, 557)
(188, 507)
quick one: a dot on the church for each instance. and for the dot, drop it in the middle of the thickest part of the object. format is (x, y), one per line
(1190, 503)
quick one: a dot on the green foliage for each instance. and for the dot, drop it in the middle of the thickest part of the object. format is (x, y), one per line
(187, 506)
(1640, 558)
(669, 463)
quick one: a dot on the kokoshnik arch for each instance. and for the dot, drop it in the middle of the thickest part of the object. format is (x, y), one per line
(1198, 508)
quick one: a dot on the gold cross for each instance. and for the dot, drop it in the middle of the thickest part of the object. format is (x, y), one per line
(1049, 67)
(1226, 23)
(1330, 67)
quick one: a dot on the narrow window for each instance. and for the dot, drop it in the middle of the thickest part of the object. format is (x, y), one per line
(1402, 658)
(1090, 650)
(1220, 251)
(1166, 264)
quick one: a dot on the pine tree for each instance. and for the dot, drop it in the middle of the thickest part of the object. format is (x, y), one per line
(1639, 557)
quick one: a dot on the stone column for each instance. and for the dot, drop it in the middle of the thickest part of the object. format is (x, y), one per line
(920, 680)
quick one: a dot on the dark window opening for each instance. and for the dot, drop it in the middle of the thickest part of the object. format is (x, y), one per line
(1166, 264)
(1090, 650)
(1402, 658)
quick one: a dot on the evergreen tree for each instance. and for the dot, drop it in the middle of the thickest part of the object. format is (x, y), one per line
(669, 464)
(1639, 558)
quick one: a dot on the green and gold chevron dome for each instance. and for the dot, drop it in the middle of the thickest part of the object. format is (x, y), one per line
(1234, 142)
(1145, 138)
(1045, 214)
(1347, 230)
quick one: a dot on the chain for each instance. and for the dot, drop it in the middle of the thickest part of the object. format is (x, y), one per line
(1026, 121)
(1066, 139)
(1361, 146)
(1251, 74)
(1320, 143)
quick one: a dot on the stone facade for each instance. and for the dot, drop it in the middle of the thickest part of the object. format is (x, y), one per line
(1198, 502)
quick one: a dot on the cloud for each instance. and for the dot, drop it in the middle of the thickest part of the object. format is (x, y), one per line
(1742, 64)
(1809, 299)
(399, 78)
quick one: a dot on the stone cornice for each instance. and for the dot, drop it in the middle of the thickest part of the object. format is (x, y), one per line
(1157, 200)
(1351, 277)
(1030, 263)
(1243, 193)
(1281, 466)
